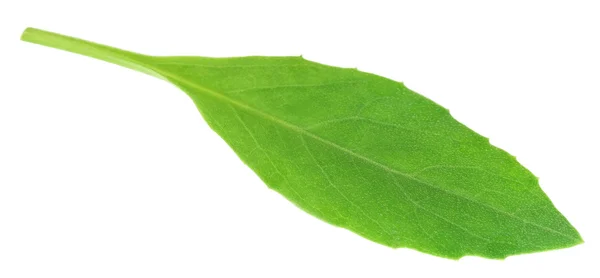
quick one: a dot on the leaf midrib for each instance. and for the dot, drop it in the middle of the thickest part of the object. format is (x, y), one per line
(345, 150)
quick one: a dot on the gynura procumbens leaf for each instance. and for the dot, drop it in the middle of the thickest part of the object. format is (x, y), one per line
(360, 151)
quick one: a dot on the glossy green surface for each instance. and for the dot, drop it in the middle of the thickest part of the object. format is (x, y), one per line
(361, 152)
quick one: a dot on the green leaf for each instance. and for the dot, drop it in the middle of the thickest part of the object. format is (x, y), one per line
(360, 151)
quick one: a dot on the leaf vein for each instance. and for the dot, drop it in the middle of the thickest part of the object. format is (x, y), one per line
(338, 190)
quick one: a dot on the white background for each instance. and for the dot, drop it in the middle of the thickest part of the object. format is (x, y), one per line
(106, 172)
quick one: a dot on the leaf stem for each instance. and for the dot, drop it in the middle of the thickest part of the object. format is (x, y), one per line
(109, 54)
